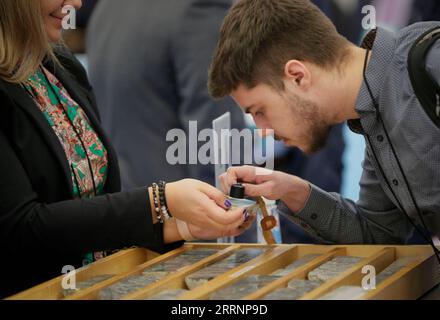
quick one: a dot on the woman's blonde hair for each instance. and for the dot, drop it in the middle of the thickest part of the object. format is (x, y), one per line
(23, 39)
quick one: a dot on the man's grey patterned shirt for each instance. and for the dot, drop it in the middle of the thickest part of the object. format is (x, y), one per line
(375, 218)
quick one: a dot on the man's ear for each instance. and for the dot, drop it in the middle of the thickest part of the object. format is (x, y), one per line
(298, 73)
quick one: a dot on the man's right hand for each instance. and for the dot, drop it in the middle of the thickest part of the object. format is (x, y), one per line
(273, 185)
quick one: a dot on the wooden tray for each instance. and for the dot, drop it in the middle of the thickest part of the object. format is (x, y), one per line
(413, 281)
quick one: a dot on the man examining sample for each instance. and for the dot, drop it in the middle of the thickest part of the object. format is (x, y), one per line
(284, 62)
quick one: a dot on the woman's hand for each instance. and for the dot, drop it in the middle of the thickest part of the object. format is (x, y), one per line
(173, 234)
(204, 208)
(272, 185)
(207, 234)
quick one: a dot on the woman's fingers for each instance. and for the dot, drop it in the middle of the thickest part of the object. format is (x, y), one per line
(205, 207)
(221, 216)
(205, 222)
(216, 195)
(234, 230)
(216, 209)
(248, 223)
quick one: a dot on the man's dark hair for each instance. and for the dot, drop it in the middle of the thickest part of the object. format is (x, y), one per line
(258, 37)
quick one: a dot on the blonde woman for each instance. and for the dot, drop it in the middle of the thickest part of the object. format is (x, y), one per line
(60, 199)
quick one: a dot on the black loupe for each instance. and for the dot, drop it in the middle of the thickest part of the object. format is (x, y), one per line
(237, 191)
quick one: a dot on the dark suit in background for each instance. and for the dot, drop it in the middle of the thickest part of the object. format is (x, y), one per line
(149, 63)
(425, 10)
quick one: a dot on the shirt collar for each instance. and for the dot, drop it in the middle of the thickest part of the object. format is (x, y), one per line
(382, 43)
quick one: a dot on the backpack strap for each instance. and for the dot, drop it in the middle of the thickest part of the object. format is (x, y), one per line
(425, 86)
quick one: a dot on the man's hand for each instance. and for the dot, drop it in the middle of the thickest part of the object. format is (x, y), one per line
(273, 185)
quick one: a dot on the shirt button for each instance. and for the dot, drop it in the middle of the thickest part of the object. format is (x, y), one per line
(380, 138)
(395, 182)
(305, 226)
(314, 216)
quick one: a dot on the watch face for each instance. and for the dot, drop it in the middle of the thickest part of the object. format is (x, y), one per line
(250, 205)
(242, 203)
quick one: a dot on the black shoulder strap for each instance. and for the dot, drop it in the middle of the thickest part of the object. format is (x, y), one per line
(425, 86)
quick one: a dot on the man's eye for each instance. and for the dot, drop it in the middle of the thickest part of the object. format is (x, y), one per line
(259, 113)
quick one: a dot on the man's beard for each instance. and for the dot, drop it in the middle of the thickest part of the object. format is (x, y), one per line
(317, 130)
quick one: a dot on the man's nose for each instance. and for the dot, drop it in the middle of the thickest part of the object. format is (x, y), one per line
(265, 129)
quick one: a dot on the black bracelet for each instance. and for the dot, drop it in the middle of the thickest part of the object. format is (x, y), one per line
(156, 203)
(163, 200)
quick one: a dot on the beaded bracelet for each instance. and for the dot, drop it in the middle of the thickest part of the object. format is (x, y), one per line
(156, 203)
(163, 200)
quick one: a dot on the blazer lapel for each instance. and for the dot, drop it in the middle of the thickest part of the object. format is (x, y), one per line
(80, 95)
(24, 101)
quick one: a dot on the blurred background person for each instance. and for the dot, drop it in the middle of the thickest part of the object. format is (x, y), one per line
(397, 14)
(425, 10)
(148, 62)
